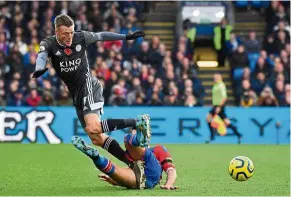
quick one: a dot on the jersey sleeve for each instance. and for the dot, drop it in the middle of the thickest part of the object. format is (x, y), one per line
(92, 37)
(44, 51)
(45, 46)
(165, 158)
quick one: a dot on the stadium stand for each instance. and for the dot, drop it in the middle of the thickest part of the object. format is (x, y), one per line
(160, 70)
(265, 52)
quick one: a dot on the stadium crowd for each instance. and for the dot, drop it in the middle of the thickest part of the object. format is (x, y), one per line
(132, 72)
(261, 68)
(137, 72)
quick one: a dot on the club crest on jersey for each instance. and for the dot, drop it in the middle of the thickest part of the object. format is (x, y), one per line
(68, 51)
(78, 48)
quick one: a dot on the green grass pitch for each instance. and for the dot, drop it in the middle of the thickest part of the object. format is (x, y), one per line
(61, 170)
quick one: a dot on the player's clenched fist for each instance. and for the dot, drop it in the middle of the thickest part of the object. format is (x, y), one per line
(169, 187)
(135, 35)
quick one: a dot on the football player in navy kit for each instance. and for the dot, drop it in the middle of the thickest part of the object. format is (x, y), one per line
(66, 51)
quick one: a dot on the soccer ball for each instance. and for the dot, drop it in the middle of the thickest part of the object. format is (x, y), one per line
(241, 168)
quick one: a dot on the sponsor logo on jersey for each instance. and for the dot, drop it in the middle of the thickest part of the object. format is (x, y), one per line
(68, 51)
(58, 53)
(78, 47)
(71, 65)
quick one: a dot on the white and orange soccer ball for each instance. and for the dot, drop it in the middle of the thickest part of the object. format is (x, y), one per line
(241, 168)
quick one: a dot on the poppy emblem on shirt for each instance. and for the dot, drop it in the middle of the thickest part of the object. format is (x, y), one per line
(68, 51)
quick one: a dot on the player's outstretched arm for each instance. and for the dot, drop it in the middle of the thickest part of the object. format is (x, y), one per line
(171, 179)
(40, 68)
(44, 50)
(92, 37)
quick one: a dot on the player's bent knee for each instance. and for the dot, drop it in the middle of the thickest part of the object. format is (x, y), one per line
(97, 140)
(93, 128)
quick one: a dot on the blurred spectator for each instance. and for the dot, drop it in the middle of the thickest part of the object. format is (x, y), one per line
(15, 60)
(245, 86)
(143, 54)
(33, 99)
(171, 99)
(279, 92)
(117, 98)
(81, 23)
(221, 36)
(271, 10)
(131, 16)
(47, 86)
(267, 98)
(111, 14)
(22, 47)
(247, 99)
(47, 99)
(139, 99)
(2, 102)
(129, 49)
(287, 95)
(239, 59)
(10, 96)
(64, 99)
(280, 15)
(262, 67)
(279, 69)
(280, 42)
(16, 99)
(190, 101)
(155, 100)
(233, 44)
(4, 47)
(136, 88)
(253, 45)
(269, 45)
(282, 28)
(95, 17)
(285, 59)
(4, 67)
(2, 90)
(259, 83)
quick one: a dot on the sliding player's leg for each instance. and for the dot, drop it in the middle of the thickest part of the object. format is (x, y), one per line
(152, 167)
(133, 148)
(123, 176)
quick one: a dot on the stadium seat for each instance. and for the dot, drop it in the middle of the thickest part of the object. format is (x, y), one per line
(265, 4)
(253, 58)
(238, 73)
(256, 4)
(241, 3)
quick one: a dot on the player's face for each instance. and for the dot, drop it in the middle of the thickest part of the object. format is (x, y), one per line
(65, 35)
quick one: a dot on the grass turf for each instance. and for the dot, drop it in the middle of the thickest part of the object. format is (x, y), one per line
(61, 170)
